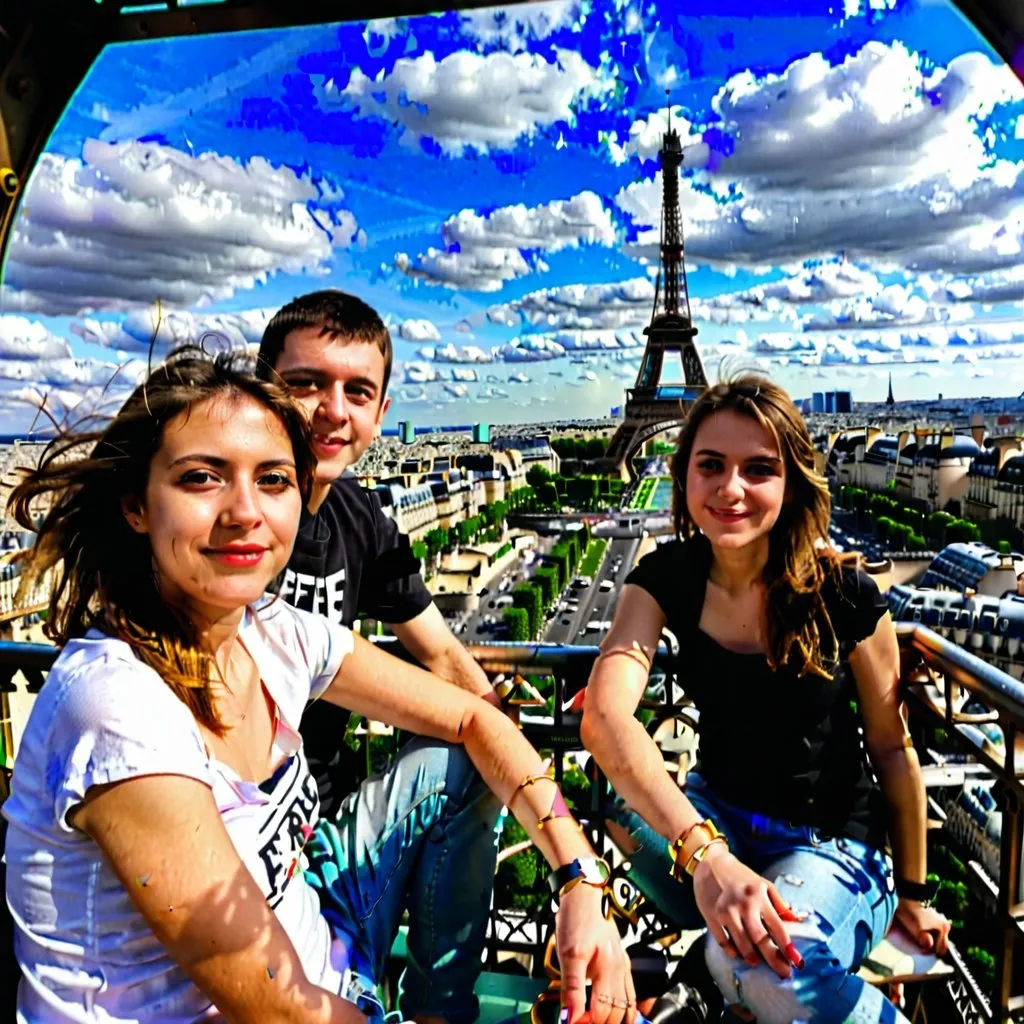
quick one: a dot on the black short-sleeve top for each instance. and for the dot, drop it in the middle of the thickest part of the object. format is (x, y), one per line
(774, 742)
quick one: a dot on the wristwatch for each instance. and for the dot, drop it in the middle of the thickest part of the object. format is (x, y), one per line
(588, 870)
(921, 892)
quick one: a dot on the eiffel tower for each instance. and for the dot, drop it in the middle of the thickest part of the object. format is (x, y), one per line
(652, 407)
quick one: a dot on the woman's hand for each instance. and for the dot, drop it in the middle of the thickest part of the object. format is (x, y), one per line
(589, 947)
(925, 925)
(744, 912)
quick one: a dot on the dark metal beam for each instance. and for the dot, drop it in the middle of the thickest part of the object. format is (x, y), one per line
(1001, 22)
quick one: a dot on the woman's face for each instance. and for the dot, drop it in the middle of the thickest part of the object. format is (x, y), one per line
(735, 480)
(221, 506)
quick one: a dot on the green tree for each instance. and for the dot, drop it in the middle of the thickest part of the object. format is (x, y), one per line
(1004, 547)
(558, 560)
(528, 597)
(547, 494)
(420, 550)
(537, 475)
(546, 578)
(433, 540)
(983, 966)
(899, 536)
(961, 530)
(582, 492)
(517, 620)
(936, 526)
(516, 881)
(595, 448)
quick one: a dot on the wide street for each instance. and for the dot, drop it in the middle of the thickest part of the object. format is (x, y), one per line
(595, 605)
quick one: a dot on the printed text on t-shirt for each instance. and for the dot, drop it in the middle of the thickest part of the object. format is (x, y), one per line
(287, 837)
(317, 594)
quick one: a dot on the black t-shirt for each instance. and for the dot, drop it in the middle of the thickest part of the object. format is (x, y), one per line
(349, 558)
(777, 743)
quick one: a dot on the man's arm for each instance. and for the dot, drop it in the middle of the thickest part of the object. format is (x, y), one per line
(429, 640)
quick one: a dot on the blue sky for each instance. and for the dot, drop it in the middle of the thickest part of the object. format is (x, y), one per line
(853, 196)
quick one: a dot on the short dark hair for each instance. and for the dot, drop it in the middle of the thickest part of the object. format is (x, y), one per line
(340, 317)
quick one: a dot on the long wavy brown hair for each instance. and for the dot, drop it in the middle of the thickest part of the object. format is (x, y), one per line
(800, 559)
(103, 575)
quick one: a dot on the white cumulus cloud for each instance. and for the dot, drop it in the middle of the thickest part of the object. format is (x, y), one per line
(879, 156)
(21, 338)
(880, 118)
(514, 27)
(166, 329)
(482, 251)
(131, 223)
(530, 349)
(472, 101)
(454, 354)
(419, 330)
(647, 133)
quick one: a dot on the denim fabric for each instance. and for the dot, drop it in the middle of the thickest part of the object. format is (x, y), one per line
(844, 887)
(421, 836)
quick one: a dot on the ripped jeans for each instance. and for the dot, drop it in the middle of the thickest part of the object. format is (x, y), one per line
(844, 887)
(419, 837)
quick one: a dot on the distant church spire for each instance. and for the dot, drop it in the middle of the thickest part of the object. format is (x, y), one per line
(890, 400)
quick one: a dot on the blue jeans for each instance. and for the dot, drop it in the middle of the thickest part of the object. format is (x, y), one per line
(421, 836)
(844, 887)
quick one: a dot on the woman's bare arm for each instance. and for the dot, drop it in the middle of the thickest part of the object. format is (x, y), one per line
(380, 686)
(164, 838)
(374, 683)
(876, 667)
(875, 662)
(624, 750)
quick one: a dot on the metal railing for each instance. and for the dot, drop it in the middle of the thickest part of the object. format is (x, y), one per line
(932, 667)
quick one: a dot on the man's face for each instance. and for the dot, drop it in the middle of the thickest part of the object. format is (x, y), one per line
(341, 385)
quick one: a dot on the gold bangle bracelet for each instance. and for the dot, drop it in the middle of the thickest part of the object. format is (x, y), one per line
(701, 852)
(528, 781)
(676, 849)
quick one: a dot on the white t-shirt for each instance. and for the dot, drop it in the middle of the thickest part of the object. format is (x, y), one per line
(85, 952)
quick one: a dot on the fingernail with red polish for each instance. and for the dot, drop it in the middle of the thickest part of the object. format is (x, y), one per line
(752, 961)
(794, 957)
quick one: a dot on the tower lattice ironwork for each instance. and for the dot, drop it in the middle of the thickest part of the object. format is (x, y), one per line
(652, 407)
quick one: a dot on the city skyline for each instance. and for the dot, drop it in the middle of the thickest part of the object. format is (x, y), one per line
(852, 199)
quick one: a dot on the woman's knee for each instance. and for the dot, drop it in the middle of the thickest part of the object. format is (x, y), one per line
(823, 991)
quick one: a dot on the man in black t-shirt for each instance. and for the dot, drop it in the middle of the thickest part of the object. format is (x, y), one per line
(427, 827)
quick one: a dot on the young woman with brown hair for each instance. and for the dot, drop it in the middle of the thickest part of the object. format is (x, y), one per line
(790, 656)
(162, 814)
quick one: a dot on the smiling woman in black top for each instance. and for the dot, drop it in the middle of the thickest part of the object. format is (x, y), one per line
(791, 658)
